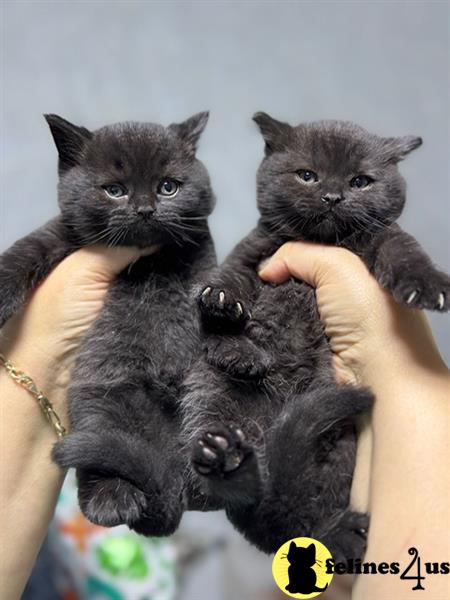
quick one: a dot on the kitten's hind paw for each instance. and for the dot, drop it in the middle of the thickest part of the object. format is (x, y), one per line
(119, 482)
(345, 536)
(108, 500)
(221, 306)
(220, 450)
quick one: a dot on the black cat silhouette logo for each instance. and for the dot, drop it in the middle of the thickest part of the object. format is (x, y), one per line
(299, 568)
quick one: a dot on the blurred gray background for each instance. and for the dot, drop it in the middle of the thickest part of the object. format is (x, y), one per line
(382, 64)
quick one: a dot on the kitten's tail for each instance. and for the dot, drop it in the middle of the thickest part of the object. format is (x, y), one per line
(318, 589)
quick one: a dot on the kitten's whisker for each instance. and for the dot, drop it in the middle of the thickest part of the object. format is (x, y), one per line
(96, 237)
(115, 237)
(179, 232)
(122, 235)
(190, 218)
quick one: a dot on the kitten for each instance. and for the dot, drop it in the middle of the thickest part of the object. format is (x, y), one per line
(302, 577)
(131, 184)
(271, 432)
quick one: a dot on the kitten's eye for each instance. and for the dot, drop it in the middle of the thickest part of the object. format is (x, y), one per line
(168, 187)
(115, 190)
(361, 181)
(307, 176)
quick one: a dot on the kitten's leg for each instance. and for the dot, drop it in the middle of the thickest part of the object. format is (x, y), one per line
(238, 356)
(223, 459)
(225, 300)
(401, 266)
(310, 456)
(26, 263)
(122, 480)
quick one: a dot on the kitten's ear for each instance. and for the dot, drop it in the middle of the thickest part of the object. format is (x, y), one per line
(293, 546)
(396, 148)
(189, 131)
(276, 134)
(69, 140)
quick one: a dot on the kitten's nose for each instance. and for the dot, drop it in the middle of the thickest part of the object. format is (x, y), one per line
(145, 211)
(332, 199)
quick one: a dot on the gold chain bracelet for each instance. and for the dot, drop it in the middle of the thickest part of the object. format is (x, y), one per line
(46, 406)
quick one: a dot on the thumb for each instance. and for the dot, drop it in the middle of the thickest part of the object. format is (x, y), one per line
(306, 261)
(103, 264)
(309, 262)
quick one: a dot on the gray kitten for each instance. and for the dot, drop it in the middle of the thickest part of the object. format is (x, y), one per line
(271, 432)
(130, 184)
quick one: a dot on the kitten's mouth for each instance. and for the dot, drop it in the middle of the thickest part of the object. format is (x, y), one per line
(327, 214)
(330, 226)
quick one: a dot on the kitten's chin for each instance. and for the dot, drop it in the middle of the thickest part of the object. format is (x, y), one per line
(329, 231)
(144, 239)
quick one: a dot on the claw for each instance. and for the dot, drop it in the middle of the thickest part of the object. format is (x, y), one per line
(202, 469)
(206, 292)
(221, 299)
(239, 308)
(411, 297)
(441, 300)
(218, 440)
(207, 453)
(240, 434)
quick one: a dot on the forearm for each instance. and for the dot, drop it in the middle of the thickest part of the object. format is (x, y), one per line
(409, 495)
(30, 481)
(42, 341)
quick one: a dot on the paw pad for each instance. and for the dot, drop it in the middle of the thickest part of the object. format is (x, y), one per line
(219, 450)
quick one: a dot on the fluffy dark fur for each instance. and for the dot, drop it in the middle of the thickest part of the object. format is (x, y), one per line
(271, 433)
(124, 395)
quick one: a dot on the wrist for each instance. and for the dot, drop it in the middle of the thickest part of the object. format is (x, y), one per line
(48, 370)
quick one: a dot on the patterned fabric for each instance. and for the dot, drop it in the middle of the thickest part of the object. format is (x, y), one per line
(98, 563)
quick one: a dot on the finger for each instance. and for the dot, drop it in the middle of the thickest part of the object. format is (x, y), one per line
(103, 263)
(309, 262)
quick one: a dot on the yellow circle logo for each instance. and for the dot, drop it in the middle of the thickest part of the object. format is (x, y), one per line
(299, 568)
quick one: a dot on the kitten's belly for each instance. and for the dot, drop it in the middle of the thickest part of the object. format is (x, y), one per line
(144, 330)
(285, 321)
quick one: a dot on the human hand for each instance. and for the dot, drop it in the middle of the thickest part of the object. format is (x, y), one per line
(43, 338)
(367, 329)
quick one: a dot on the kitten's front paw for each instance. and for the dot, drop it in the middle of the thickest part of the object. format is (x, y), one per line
(426, 291)
(219, 451)
(222, 306)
